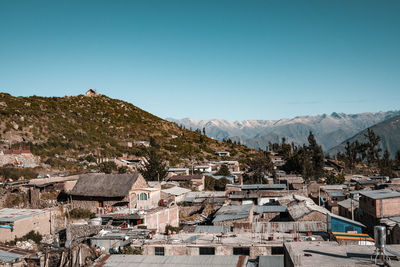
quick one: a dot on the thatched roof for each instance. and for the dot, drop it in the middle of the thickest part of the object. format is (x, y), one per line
(104, 185)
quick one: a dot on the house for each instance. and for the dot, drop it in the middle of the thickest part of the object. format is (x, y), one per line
(203, 168)
(271, 213)
(104, 192)
(178, 171)
(378, 204)
(222, 154)
(176, 193)
(213, 197)
(233, 165)
(196, 181)
(15, 223)
(348, 208)
(155, 219)
(341, 224)
(91, 92)
(304, 209)
(229, 214)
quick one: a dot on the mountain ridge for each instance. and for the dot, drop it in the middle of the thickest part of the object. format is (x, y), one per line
(258, 133)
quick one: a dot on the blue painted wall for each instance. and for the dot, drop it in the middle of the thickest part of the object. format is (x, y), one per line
(343, 226)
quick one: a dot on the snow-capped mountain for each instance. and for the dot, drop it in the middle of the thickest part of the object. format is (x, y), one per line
(330, 130)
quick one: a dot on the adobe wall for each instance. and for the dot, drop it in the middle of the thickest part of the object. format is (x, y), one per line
(159, 219)
(39, 223)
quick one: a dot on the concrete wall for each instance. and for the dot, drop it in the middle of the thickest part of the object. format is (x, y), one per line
(161, 218)
(193, 250)
(39, 223)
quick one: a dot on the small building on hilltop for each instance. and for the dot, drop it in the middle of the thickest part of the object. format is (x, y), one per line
(102, 193)
(91, 92)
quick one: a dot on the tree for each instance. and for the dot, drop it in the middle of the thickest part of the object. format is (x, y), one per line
(335, 179)
(258, 169)
(108, 167)
(223, 171)
(317, 156)
(372, 146)
(123, 169)
(221, 183)
(386, 165)
(155, 168)
(209, 183)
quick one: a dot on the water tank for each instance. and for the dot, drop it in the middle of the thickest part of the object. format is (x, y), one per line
(95, 221)
(380, 236)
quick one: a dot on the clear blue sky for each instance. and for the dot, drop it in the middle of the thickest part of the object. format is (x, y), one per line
(204, 59)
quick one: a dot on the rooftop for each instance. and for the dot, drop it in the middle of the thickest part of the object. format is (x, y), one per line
(272, 208)
(263, 186)
(316, 254)
(6, 256)
(347, 203)
(172, 261)
(176, 191)
(104, 185)
(232, 212)
(13, 215)
(380, 194)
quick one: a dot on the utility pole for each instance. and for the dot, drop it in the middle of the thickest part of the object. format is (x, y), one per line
(352, 209)
(319, 196)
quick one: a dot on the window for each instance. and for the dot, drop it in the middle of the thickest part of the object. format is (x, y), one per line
(206, 251)
(148, 195)
(276, 250)
(143, 196)
(241, 251)
(159, 251)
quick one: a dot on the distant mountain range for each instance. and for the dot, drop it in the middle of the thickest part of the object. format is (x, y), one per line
(329, 130)
(388, 130)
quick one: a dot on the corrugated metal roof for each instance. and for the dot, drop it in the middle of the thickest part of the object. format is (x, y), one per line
(334, 187)
(206, 194)
(283, 227)
(271, 261)
(336, 194)
(13, 215)
(380, 194)
(175, 261)
(229, 217)
(347, 203)
(177, 191)
(211, 229)
(272, 208)
(6, 256)
(263, 186)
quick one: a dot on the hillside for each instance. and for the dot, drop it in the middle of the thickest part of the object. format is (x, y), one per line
(329, 130)
(74, 126)
(388, 130)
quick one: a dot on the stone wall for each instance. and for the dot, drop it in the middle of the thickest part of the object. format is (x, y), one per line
(77, 232)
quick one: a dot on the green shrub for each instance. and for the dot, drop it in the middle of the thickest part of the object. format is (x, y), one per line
(132, 251)
(171, 228)
(79, 213)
